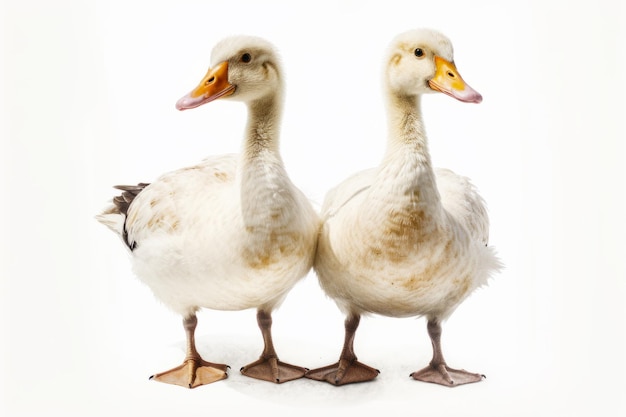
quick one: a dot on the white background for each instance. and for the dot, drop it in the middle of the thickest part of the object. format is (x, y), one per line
(88, 93)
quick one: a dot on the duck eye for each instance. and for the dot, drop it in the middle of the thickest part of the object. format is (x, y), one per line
(419, 52)
(246, 57)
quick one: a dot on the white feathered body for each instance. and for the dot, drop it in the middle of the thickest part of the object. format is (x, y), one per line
(227, 234)
(403, 239)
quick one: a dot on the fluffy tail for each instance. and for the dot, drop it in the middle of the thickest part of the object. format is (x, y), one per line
(114, 216)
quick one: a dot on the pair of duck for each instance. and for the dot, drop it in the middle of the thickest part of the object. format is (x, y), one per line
(234, 233)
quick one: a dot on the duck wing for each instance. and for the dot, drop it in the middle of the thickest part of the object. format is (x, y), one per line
(461, 200)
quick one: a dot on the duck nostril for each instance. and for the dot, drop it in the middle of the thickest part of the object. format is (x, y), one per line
(450, 74)
(210, 80)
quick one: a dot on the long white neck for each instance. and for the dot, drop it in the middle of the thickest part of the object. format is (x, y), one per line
(406, 171)
(262, 129)
(405, 129)
(262, 177)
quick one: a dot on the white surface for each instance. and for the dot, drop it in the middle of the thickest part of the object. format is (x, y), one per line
(88, 101)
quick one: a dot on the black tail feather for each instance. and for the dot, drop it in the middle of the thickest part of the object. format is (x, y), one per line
(122, 203)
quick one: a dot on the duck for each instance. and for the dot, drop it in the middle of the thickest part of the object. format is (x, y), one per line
(232, 232)
(405, 239)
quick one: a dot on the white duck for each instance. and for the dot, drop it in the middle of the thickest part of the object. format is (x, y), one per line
(232, 232)
(404, 239)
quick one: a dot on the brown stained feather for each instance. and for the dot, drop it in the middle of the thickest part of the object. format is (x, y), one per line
(122, 203)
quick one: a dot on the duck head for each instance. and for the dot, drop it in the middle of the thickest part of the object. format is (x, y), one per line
(243, 68)
(421, 62)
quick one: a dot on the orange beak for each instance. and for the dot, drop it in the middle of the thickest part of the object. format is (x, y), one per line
(213, 86)
(447, 80)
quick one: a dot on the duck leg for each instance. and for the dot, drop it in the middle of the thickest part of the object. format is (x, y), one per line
(194, 371)
(348, 370)
(268, 367)
(438, 371)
